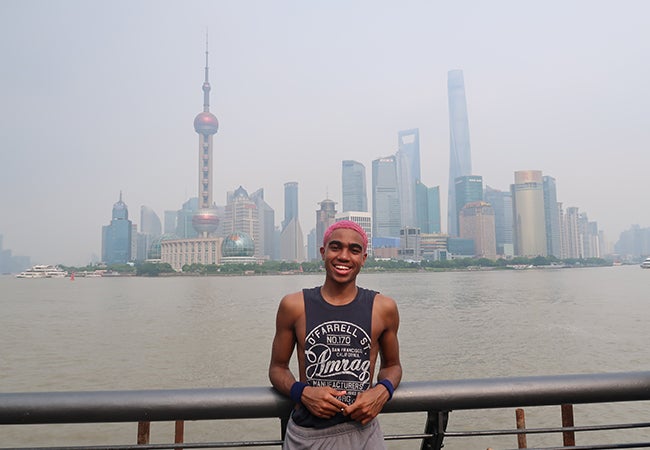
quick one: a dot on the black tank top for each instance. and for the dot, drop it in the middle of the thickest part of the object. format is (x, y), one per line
(337, 349)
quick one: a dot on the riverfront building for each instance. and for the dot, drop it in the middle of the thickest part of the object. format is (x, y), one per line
(385, 198)
(241, 216)
(325, 217)
(460, 162)
(181, 252)
(408, 174)
(468, 189)
(477, 223)
(528, 210)
(290, 203)
(427, 207)
(501, 202)
(266, 219)
(292, 247)
(552, 217)
(116, 237)
(353, 176)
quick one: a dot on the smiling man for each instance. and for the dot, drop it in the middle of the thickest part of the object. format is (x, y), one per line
(338, 330)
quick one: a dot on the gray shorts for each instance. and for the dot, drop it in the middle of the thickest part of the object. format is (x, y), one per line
(347, 435)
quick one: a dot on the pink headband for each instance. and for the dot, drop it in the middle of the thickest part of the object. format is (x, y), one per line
(349, 225)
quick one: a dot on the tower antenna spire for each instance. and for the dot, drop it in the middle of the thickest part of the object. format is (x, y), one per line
(206, 83)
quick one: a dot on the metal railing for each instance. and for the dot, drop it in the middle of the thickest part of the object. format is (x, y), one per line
(436, 398)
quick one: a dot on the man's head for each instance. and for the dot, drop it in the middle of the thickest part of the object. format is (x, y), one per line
(346, 224)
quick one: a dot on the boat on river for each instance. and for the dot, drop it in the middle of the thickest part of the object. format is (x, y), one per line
(646, 264)
(43, 271)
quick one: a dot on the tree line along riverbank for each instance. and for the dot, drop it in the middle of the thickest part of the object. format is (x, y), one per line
(149, 268)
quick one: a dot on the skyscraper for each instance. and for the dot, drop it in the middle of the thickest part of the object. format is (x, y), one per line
(408, 174)
(116, 237)
(150, 222)
(551, 217)
(353, 176)
(241, 216)
(468, 189)
(528, 210)
(460, 162)
(205, 220)
(386, 219)
(427, 208)
(501, 202)
(292, 247)
(290, 202)
(325, 217)
(477, 223)
(266, 216)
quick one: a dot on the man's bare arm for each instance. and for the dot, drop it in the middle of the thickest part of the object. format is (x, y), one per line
(283, 344)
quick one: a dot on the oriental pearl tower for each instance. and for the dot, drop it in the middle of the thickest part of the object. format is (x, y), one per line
(205, 220)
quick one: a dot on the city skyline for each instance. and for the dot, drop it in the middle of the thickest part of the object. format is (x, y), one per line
(112, 100)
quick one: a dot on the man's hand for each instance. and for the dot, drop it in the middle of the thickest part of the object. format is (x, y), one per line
(322, 401)
(368, 404)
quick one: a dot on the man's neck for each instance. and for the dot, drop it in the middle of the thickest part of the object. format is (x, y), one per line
(338, 294)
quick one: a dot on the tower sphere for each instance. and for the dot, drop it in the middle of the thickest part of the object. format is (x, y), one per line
(206, 123)
(205, 220)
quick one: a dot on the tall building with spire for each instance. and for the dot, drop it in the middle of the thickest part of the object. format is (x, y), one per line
(460, 156)
(117, 236)
(205, 220)
(204, 248)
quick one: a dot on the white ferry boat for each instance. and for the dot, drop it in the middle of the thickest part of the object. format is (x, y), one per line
(43, 271)
(646, 264)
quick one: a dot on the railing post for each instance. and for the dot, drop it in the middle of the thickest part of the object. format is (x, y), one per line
(521, 425)
(143, 432)
(179, 432)
(436, 426)
(568, 437)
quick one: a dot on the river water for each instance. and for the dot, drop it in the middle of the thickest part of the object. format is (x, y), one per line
(191, 332)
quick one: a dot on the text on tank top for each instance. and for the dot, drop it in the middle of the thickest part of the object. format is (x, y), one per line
(337, 342)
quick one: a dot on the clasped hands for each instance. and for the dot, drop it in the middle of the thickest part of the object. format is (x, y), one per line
(323, 402)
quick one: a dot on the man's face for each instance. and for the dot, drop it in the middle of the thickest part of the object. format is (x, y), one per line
(343, 255)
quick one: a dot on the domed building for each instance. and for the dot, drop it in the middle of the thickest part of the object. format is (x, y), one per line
(238, 248)
(154, 248)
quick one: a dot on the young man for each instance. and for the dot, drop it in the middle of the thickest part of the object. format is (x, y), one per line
(338, 329)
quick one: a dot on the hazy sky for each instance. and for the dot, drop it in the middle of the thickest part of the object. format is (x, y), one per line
(100, 97)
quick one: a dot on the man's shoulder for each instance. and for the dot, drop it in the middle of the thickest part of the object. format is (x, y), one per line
(385, 304)
(293, 302)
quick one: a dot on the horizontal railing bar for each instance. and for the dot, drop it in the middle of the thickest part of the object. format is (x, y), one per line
(595, 447)
(622, 426)
(265, 402)
(188, 445)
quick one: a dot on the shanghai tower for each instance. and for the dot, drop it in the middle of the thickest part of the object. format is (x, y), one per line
(460, 157)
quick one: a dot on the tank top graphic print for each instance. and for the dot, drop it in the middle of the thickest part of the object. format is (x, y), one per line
(337, 342)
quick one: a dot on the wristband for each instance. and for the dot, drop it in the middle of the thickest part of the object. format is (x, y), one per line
(388, 385)
(296, 391)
